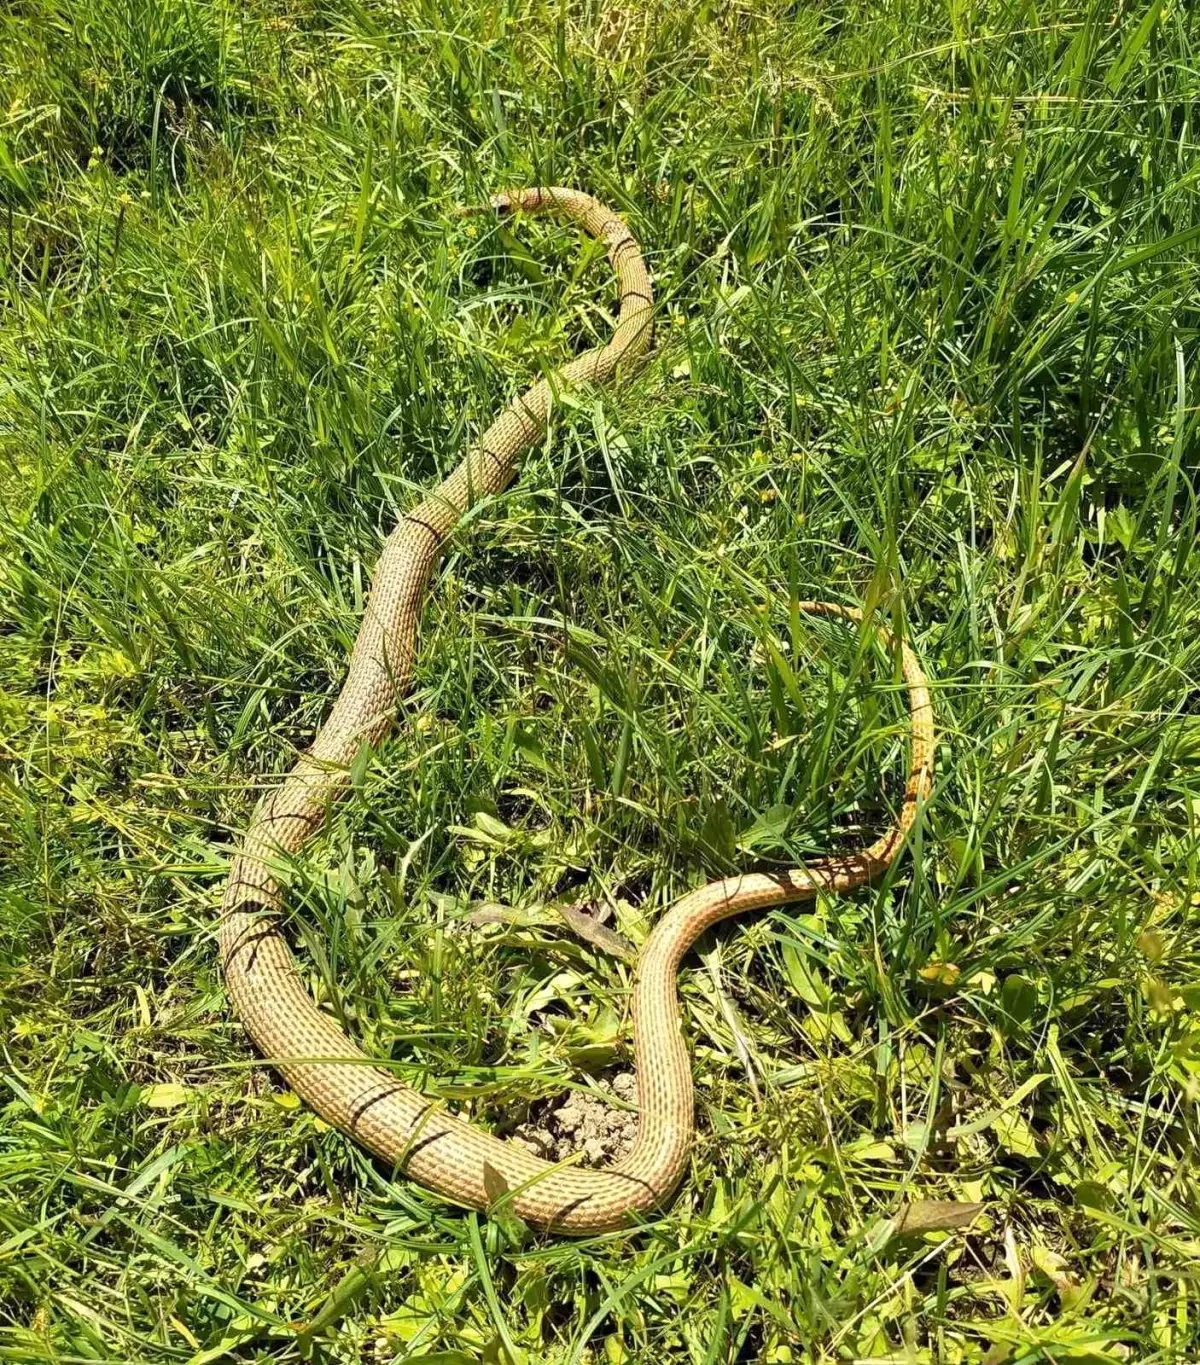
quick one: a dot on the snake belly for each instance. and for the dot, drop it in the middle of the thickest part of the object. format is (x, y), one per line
(412, 1131)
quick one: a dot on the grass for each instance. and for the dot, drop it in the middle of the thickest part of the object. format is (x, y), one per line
(928, 281)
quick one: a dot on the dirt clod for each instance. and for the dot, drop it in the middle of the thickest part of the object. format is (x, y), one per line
(582, 1121)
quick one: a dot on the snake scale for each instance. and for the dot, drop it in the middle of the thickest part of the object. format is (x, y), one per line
(413, 1131)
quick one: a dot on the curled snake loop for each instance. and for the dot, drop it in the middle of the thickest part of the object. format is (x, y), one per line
(413, 1131)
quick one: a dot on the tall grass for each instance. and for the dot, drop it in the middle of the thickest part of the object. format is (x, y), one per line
(927, 277)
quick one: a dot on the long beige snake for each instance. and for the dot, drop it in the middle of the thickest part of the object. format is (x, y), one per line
(414, 1131)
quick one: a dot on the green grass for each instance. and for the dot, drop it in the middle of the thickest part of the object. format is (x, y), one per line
(928, 282)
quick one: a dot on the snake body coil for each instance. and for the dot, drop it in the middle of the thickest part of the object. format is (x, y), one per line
(408, 1129)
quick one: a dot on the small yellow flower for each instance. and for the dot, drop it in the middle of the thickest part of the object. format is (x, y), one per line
(1151, 943)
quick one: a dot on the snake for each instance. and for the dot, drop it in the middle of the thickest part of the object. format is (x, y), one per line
(413, 1131)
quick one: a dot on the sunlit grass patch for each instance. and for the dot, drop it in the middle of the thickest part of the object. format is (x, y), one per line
(927, 340)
